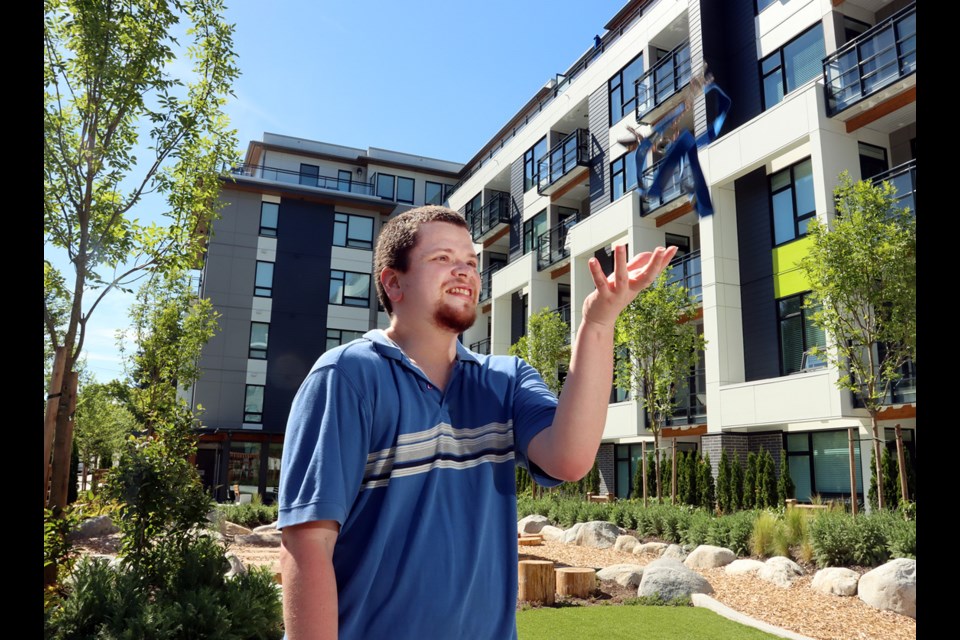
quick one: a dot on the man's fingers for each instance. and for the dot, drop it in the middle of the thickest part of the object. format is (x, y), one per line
(599, 279)
(620, 270)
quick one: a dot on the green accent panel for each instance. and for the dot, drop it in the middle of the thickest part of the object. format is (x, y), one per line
(787, 277)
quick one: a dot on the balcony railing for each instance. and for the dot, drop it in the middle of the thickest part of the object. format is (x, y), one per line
(486, 280)
(551, 245)
(876, 59)
(687, 271)
(492, 214)
(481, 346)
(904, 178)
(675, 185)
(554, 170)
(664, 79)
(901, 391)
(295, 177)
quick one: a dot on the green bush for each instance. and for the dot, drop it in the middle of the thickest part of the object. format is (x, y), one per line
(733, 531)
(764, 531)
(249, 515)
(831, 533)
(901, 536)
(723, 483)
(869, 541)
(698, 528)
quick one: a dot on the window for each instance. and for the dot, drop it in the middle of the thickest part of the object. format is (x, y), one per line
(629, 458)
(436, 193)
(243, 468)
(763, 4)
(623, 91)
(309, 174)
(352, 231)
(344, 180)
(350, 288)
(259, 332)
(253, 404)
(385, 186)
(531, 160)
(269, 214)
(337, 337)
(789, 67)
(873, 160)
(623, 175)
(797, 333)
(471, 211)
(819, 463)
(405, 190)
(791, 197)
(263, 282)
(532, 229)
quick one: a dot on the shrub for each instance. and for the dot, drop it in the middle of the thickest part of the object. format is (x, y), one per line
(901, 538)
(732, 531)
(705, 484)
(249, 515)
(764, 531)
(736, 485)
(869, 541)
(723, 483)
(831, 535)
(698, 529)
(785, 486)
(749, 496)
(795, 526)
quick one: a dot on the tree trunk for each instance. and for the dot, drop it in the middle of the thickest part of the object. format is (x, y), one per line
(876, 454)
(656, 465)
(904, 493)
(62, 445)
(578, 582)
(50, 417)
(536, 581)
(851, 437)
(643, 454)
(673, 472)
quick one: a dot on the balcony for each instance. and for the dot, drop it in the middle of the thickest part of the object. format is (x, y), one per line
(690, 407)
(901, 391)
(665, 79)
(490, 216)
(551, 245)
(295, 177)
(675, 185)
(482, 347)
(904, 179)
(486, 280)
(872, 62)
(686, 270)
(557, 169)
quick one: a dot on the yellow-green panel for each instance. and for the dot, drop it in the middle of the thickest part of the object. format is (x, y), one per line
(787, 277)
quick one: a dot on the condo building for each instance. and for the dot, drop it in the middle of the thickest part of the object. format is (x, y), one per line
(816, 86)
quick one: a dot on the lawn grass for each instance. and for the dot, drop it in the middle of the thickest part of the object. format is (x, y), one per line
(630, 622)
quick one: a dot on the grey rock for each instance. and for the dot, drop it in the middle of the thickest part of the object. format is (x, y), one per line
(780, 571)
(836, 581)
(674, 551)
(532, 524)
(625, 543)
(260, 539)
(570, 535)
(892, 587)
(668, 578)
(233, 529)
(626, 575)
(650, 549)
(550, 532)
(266, 528)
(597, 534)
(236, 565)
(93, 528)
(709, 557)
(743, 566)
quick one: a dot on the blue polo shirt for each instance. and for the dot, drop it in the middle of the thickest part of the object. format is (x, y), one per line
(422, 483)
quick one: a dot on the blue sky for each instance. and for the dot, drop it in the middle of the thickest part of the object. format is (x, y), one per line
(432, 78)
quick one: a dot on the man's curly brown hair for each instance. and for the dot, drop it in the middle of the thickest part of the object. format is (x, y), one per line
(398, 237)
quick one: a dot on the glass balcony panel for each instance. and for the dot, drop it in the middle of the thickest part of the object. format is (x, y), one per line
(668, 76)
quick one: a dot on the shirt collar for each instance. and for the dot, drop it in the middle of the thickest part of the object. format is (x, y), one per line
(389, 349)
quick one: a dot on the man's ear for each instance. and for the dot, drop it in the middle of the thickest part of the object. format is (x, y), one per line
(390, 281)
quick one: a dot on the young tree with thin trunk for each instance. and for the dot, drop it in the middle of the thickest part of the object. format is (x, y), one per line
(663, 344)
(862, 273)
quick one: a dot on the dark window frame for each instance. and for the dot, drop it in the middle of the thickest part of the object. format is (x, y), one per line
(262, 291)
(798, 217)
(617, 83)
(531, 162)
(308, 176)
(619, 170)
(781, 66)
(440, 191)
(805, 321)
(337, 334)
(253, 417)
(341, 179)
(257, 353)
(530, 238)
(352, 242)
(345, 300)
(393, 186)
(266, 230)
(809, 453)
(413, 189)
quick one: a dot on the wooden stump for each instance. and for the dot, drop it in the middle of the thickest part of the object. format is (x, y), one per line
(537, 581)
(579, 582)
(530, 540)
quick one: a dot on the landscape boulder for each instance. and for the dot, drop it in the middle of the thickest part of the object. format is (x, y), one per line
(626, 575)
(674, 551)
(668, 578)
(836, 581)
(650, 549)
(236, 565)
(260, 539)
(93, 528)
(743, 566)
(570, 535)
(625, 543)
(892, 587)
(707, 556)
(532, 524)
(780, 570)
(597, 534)
(266, 528)
(550, 532)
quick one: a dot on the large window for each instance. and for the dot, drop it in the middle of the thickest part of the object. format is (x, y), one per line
(344, 180)
(337, 337)
(435, 192)
(623, 175)
(623, 91)
(259, 333)
(350, 288)
(352, 231)
(263, 282)
(795, 63)
(405, 190)
(385, 183)
(253, 404)
(819, 464)
(309, 173)
(243, 470)
(269, 215)
(532, 229)
(531, 160)
(628, 458)
(798, 335)
(792, 203)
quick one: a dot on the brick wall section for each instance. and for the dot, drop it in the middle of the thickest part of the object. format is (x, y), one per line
(772, 442)
(605, 462)
(740, 444)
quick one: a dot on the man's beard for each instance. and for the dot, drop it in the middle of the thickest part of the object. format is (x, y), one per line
(450, 319)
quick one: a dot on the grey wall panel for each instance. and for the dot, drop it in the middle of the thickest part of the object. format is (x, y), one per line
(516, 207)
(760, 341)
(599, 117)
(729, 49)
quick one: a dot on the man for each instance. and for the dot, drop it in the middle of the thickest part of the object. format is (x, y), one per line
(397, 492)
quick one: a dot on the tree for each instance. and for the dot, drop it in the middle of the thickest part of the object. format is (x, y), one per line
(705, 483)
(118, 124)
(723, 483)
(785, 487)
(862, 272)
(663, 347)
(102, 424)
(736, 485)
(545, 347)
(766, 480)
(749, 499)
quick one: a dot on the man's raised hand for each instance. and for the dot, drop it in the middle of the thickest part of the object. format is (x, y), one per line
(616, 291)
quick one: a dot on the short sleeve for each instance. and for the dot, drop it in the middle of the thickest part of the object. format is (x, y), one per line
(534, 407)
(325, 449)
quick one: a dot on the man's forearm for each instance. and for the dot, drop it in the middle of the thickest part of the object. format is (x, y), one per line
(309, 586)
